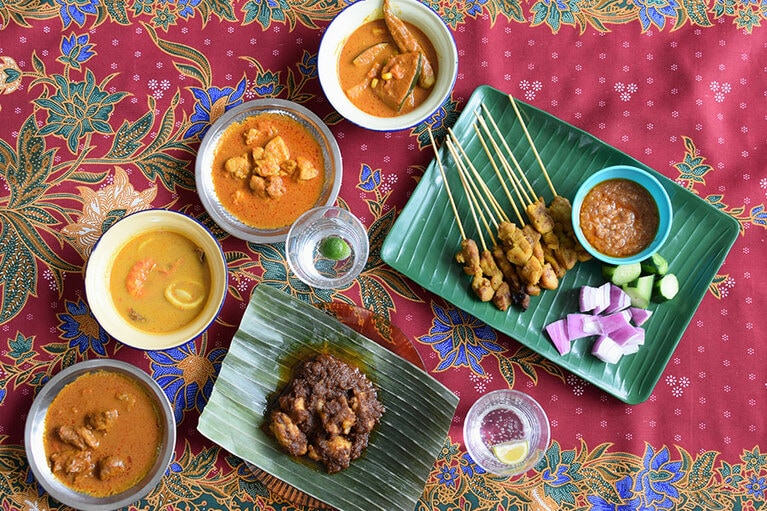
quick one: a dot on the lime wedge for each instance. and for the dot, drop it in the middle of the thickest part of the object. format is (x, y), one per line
(335, 248)
(511, 453)
(185, 295)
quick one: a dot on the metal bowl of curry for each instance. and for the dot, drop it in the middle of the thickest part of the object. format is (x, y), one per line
(100, 435)
(622, 214)
(387, 65)
(264, 163)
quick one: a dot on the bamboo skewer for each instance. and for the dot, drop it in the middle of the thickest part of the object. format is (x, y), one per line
(447, 186)
(522, 195)
(480, 184)
(532, 144)
(469, 194)
(520, 177)
(498, 174)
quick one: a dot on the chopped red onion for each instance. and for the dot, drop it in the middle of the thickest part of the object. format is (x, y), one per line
(607, 350)
(558, 333)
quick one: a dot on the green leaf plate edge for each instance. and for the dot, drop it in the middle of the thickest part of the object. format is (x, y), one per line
(425, 237)
(276, 332)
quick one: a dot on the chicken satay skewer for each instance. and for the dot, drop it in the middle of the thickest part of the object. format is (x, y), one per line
(469, 254)
(502, 277)
(560, 207)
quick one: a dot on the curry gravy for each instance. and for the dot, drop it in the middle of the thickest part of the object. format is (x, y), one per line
(235, 193)
(351, 75)
(102, 433)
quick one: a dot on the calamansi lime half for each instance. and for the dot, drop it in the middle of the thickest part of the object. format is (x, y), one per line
(335, 248)
(511, 453)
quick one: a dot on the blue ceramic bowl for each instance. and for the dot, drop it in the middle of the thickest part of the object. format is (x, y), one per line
(648, 182)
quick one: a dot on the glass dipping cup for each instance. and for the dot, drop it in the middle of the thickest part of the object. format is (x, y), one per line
(504, 416)
(302, 247)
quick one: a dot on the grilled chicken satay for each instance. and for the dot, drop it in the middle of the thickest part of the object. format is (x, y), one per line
(561, 212)
(407, 43)
(517, 295)
(470, 258)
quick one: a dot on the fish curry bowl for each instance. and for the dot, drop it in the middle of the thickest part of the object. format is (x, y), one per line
(100, 435)
(387, 65)
(156, 279)
(264, 163)
(621, 215)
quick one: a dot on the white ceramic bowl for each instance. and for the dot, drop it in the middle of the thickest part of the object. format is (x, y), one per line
(35, 427)
(99, 267)
(331, 155)
(363, 11)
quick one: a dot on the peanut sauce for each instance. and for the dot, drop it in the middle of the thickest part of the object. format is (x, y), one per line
(619, 217)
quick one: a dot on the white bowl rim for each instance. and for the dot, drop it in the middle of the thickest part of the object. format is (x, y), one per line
(100, 302)
(661, 198)
(33, 427)
(203, 179)
(368, 10)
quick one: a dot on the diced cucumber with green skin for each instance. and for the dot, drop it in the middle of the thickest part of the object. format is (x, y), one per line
(665, 288)
(640, 291)
(656, 264)
(621, 274)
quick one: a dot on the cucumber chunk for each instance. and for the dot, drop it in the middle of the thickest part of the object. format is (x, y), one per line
(665, 288)
(621, 274)
(640, 291)
(656, 264)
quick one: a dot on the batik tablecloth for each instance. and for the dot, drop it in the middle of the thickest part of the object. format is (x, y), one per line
(103, 105)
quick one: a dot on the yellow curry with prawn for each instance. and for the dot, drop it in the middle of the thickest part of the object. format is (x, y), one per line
(160, 281)
(388, 66)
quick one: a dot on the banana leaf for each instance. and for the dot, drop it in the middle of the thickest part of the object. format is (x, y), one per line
(277, 332)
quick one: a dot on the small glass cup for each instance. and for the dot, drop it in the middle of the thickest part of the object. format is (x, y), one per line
(506, 419)
(307, 261)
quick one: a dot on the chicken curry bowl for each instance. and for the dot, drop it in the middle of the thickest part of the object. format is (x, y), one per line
(268, 170)
(100, 435)
(264, 163)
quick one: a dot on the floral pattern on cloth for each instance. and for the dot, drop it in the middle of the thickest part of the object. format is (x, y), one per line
(87, 139)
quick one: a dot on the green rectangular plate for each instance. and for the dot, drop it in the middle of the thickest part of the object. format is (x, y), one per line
(277, 332)
(424, 239)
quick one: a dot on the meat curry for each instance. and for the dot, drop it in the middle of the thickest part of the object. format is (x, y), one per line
(388, 66)
(326, 413)
(102, 434)
(268, 169)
